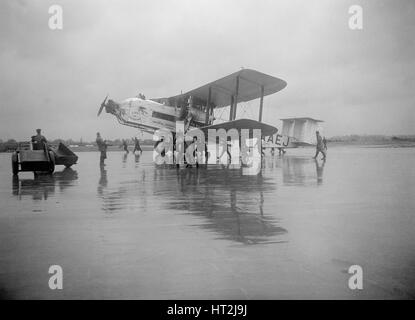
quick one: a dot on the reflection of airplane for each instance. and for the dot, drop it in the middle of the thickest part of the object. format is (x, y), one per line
(221, 199)
(42, 185)
(302, 171)
(231, 205)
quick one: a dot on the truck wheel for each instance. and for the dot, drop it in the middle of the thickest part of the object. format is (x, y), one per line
(15, 164)
(52, 162)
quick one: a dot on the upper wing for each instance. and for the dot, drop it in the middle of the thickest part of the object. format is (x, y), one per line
(251, 84)
(266, 129)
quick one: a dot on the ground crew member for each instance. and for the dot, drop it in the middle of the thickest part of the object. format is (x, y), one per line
(137, 146)
(39, 142)
(320, 146)
(102, 147)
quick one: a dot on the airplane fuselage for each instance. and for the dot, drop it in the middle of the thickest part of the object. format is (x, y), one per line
(149, 115)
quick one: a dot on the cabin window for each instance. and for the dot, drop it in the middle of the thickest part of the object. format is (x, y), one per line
(163, 116)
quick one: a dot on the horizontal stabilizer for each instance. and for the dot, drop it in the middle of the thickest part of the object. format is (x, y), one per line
(302, 131)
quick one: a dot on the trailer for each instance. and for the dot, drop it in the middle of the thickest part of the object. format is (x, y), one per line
(64, 156)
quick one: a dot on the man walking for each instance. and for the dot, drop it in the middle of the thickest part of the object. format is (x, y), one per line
(137, 146)
(320, 146)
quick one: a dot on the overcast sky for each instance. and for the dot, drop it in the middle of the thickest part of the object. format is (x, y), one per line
(359, 82)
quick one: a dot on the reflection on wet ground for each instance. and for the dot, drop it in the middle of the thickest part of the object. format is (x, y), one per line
(301, 215)
(300, 171)
(230, 202)
(41, 186)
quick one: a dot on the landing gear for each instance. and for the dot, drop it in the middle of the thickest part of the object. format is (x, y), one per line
(15, 165)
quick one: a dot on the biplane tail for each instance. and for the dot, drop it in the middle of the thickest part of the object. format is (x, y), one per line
(302, 131)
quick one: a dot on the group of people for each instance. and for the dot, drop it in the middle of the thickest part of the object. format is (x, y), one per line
(39, 142)
(102, 147)
(137, 146)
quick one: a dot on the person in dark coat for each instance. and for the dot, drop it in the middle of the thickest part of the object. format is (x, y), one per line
(39, 142)
(102, 147)
(320, 146)
(137, 146)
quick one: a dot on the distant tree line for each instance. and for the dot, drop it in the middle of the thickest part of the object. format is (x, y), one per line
(371, 138)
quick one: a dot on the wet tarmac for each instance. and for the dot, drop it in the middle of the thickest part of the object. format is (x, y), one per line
(134, 230)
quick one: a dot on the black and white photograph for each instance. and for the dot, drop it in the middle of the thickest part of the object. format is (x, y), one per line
(221, 150)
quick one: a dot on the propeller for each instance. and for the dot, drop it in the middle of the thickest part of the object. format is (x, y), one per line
(102, 106)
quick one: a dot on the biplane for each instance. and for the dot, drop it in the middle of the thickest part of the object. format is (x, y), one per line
(196, 108)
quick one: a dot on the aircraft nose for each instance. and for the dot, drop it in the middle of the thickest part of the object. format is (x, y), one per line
(102, 106)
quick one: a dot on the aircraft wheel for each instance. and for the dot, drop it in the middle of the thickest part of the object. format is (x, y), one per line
(15, 164)
(52, 162)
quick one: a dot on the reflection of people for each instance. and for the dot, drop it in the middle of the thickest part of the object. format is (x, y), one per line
(320, 146)
(102, 147)
(319, 171)
(103, 182)
(39, 142)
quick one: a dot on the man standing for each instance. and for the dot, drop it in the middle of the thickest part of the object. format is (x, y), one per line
(102, 147)
(39, 142)
(320, 146)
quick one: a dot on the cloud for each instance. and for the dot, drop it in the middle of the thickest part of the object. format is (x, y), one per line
(357, 81)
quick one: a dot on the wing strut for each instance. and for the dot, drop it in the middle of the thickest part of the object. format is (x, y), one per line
(261, 104)
(234, 101)
(236, 97)
(208, 106)
(231, 110)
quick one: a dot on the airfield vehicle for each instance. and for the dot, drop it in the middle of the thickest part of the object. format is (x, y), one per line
(27, 159)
